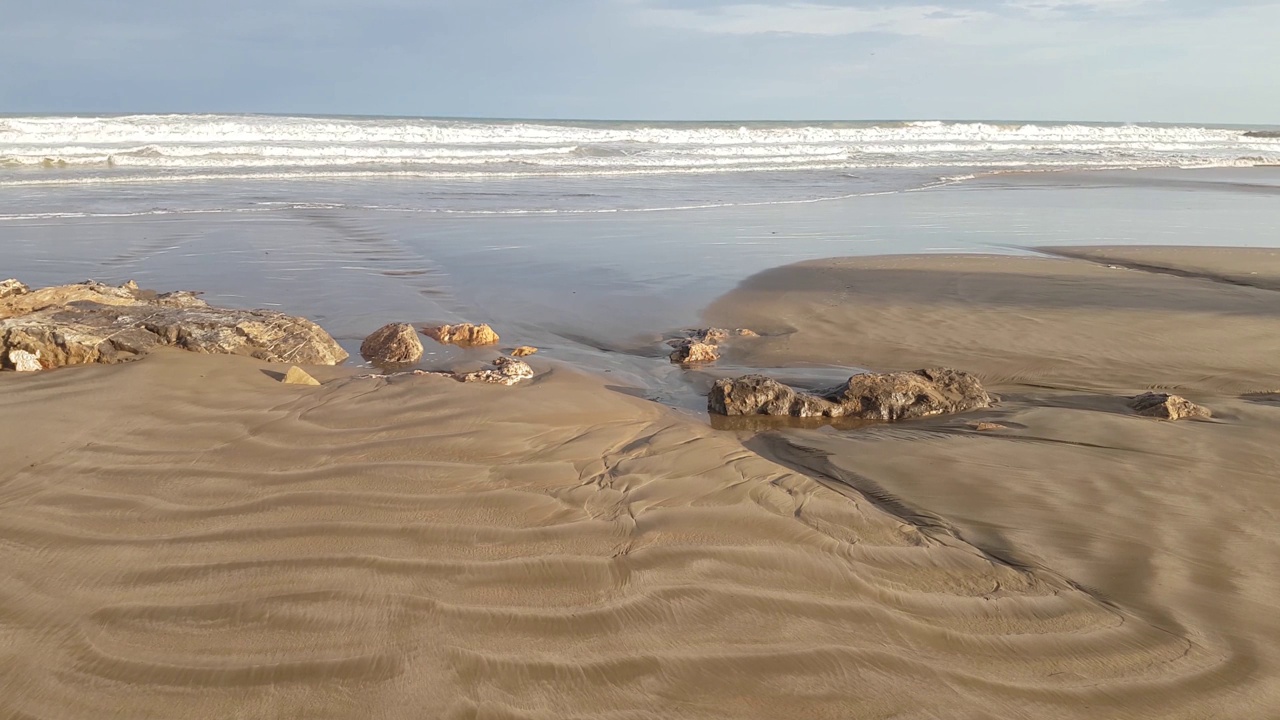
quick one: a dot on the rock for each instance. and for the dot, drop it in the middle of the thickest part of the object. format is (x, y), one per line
(709, 336)
(988, 426)
(95, 323)
(24, 361)
(11, 287)
(392, 344)
(506, 371)
(524, 351)
(744, 332)
(691, 352)
(1169, 407)
(463, 335)
(886, 397)
(298, 376)
(760, 395)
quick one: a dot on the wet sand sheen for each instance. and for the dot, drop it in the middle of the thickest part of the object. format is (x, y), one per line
(186, 537)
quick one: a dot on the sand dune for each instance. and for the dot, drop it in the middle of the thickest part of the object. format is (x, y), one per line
(187, 537)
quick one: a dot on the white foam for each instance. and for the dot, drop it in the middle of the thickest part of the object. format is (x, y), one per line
(55, 150)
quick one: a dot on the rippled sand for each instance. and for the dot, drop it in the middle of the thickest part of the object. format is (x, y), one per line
(1172, 522)
(187, 537)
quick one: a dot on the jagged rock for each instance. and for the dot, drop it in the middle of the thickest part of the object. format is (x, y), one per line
(701, 345)
(24, 361)
(691, 352)
(506, 371)
(462, 335)
(95, 323)
(988, 426)
(392, 344)
(887, 396)
(1169, 407)
(524, 351)
(11, 287)
(298, 376)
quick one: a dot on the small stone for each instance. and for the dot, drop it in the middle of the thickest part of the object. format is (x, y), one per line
(505, 371)
(1169, 407)
(24, 361)
(524, 351)
(392, 344)
(462, 335)
(691, 352)
(298, 376)
(988, 426)
(11, 288)
(745, 332)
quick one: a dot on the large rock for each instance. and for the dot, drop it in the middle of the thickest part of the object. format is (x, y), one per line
(887, 396)
(462, 335)
(1169, 407)
(392, 344)
(95, 323)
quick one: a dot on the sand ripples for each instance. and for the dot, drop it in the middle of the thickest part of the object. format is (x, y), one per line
(426, 549)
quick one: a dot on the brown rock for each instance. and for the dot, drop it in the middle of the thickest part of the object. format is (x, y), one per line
(691, 352)
(886, 397)
(392, 344)
(505, 371)
(462, 335)
(298, 376)
(744, 332)
(1169, 407)
(524, 351)
(988, 426)
(95, 323)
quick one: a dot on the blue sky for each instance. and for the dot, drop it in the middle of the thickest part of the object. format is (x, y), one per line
(1120, 60)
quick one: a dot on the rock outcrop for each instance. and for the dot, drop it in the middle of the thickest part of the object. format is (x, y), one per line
(505, 371)
(886, 397)
(95, 323)
(393, 344)
(524, 351)
(1168, 407)
(462, 335)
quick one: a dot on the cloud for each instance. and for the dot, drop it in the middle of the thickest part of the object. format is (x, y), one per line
(918, 18)
(812, 19)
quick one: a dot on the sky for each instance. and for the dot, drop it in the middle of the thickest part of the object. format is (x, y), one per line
(1206, 61)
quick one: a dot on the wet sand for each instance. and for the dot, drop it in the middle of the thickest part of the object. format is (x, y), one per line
(187, 537)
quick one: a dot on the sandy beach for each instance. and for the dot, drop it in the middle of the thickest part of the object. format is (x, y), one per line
(185, 536)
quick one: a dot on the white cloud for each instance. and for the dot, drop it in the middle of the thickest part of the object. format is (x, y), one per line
(803, 18)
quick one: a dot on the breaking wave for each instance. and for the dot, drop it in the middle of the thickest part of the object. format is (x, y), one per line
(133, 148)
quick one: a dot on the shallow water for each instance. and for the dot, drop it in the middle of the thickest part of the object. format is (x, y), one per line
(599, 290)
